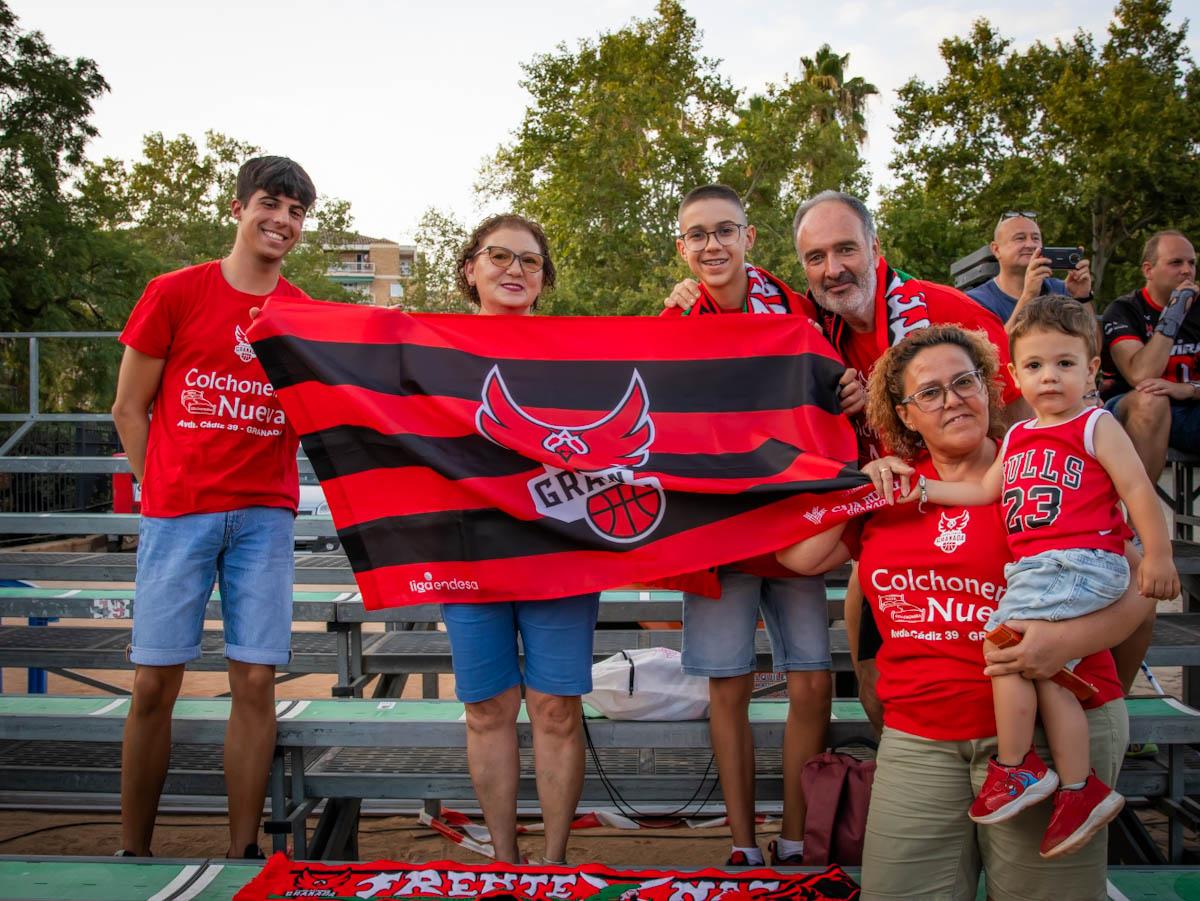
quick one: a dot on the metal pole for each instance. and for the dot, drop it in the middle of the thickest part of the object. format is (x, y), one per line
(34, 378)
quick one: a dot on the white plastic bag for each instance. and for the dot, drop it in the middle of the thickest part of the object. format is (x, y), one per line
(647, 684)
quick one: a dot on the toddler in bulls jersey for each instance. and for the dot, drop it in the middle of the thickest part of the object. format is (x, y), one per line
(1060, 478)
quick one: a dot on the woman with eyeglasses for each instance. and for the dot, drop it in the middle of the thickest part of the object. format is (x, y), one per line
(503, 269)
(932, 575)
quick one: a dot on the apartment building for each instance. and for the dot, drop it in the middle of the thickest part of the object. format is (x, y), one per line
(376, 268)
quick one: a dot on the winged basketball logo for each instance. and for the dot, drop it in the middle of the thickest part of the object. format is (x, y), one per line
(950, 531)
(620, 438)
(592, 478)
(242, 347)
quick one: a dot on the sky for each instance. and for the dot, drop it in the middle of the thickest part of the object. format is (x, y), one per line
(395, 105)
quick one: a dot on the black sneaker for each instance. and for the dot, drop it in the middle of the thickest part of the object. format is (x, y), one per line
(124, 853)
(794, 860)
(252, 852)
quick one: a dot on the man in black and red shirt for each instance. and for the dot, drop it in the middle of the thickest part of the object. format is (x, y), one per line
(1152, 353)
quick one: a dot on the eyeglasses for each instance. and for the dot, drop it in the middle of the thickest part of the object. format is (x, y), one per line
(726, 233)
(502, 258)
(1018, 214)
(933, 398)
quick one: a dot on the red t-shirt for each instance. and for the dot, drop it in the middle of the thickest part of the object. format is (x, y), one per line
(218, 437)
(932, 580)
(1056, 495)
(903, 305)
(765, 294)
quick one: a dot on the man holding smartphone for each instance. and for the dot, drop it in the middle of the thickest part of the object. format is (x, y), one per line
(1025, 271)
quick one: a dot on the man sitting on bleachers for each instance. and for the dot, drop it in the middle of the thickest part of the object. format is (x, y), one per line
(1152, 353)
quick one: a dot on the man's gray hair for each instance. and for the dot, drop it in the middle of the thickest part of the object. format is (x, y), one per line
(859, 208)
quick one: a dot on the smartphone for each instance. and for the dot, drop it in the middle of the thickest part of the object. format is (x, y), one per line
(1062, 257)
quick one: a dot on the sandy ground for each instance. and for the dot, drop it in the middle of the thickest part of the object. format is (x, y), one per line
(393, 838)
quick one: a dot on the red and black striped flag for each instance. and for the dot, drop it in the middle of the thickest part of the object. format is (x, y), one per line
(487, 458)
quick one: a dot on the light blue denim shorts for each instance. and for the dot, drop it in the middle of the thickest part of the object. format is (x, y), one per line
(718, 635)
(556, 635)
(1062, 584)
(248, 552)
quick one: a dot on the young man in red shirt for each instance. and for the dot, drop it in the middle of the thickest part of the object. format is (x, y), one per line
(217, 465)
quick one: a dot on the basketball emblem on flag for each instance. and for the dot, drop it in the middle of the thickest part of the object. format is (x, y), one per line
(592, 475)
(625, 511)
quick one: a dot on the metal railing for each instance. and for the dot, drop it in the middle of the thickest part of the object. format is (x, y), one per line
(39, 434)
(33, 414)
(65, 467)
(344, 267)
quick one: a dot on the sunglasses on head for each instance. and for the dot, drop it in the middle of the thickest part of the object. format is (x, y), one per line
(1018, 214)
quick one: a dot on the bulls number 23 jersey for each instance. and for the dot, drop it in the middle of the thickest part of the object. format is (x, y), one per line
(1056, 495)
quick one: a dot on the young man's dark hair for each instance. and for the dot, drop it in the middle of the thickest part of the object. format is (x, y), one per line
(707, 192)
(277, 175)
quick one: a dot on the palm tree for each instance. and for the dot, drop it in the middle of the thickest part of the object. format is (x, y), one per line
(826, 72)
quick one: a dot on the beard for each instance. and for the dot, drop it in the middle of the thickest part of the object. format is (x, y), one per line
(853, 305)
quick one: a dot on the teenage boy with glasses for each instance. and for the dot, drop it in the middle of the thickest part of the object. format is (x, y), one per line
(1024, 272)
(217, 464)
(718, 635)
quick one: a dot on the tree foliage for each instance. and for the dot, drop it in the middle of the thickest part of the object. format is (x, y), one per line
(621, 127)
(1102, 141)
(790, 142)
(175, 200)
(79, 240)
(46, 251)
(433, 288)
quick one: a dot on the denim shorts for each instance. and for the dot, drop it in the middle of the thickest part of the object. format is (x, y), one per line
(248, 552)
(718, 634)
(1064, 584)
(556, 636)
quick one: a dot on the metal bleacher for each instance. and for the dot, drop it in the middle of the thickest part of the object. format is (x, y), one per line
(342, 751)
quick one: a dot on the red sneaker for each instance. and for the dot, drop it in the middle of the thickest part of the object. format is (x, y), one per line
(739, 859)
(1079, 815)
(1006, 792)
